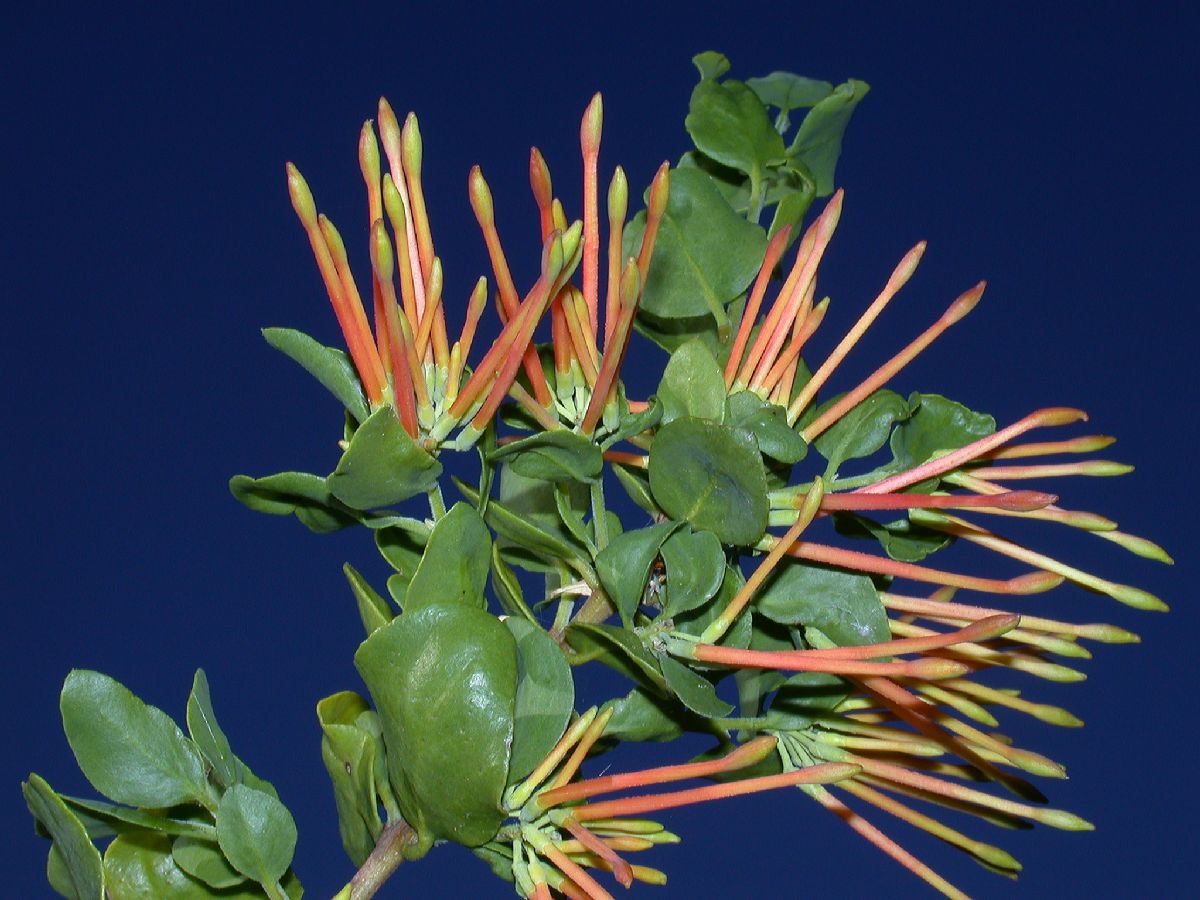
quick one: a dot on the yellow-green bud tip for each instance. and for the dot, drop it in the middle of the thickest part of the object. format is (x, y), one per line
(659, 191)
(590, 127)
(410, 138)
(481, 196)
(618, 196)
(302, 198)
(368, 152)
(381, 252)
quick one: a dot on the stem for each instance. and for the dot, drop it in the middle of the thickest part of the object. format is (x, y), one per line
(383, 861)
(437, 506)
(599, 516)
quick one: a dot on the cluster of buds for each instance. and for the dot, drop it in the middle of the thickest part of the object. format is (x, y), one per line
(562, 830)
(408, 361)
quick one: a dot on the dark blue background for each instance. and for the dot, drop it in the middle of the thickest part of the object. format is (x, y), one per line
(149, 236)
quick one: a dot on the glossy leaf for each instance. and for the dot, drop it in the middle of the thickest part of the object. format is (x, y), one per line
(694, 621)
(79, 865)
(936, 425)
(845, 607)
(302, 493)
(705, 254)
(205, 862)
(382, 465)
(624, 565)
(768, 423)
(349, 753)
(552, 456)
(444, 680)
(693, 690)
(129, 751)
(403, 544)
(712, 476)
(803, 696)
(507, 588)
(619, 649)
(632, 424)
(818, 140)
(526, 521)
(329, 366)
(545, 697)
(728, 122)
(862, 430)
(454, 568)
(692, 385)
(372, 608)
(695, 567)
(206, 732)
(256, 833)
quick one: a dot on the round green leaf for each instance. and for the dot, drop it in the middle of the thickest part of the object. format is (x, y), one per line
(705, 254)
(937, 424)
(454, 567)
(140, 867)
(729, 123)
(444, 680)
(382, 465)
(695, 564)
(256, 833)
(692, 385)
(712, 476)
(862, 430)
(552, 456)
(768, 423)
(642, 716)
(624, 565)
(545, 697)
(845, 607)
(130, 752)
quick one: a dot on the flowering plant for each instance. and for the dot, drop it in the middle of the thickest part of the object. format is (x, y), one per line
(801, 654)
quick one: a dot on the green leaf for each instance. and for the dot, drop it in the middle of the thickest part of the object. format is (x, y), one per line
(637, 485)
(256, 833)
(845, 607)
(382, 465)
(526, 519)
(641, 716)
(692, 385)
(455, 566)
(936, 425)
(331, 367)
(786, 91)
(545, 697)
(349, 753)
(210, 739)
(140, 867)
(694, 621)
(694, 690)
(754, 685)
(129, 751)
(205, 862)
(695, 565)
(711, 64)
(619, 649)
(712, 476)
(403, 544)
(791, 208)
(636, 423)
(901, 540)
(552, 456)
(444, 679)
(768, 423)
(372, 608)
(507, 588)
(103, 819)
(78, 868)
(729, 123)
(302, 493)
(705, 254)
(803, 696)
(862, 430)
(818, 141)
(624, 565)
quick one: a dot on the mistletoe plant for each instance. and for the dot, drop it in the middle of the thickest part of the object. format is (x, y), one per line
(835, 660)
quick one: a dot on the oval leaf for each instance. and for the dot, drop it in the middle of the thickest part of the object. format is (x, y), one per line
(444, 680)
(712, 476)
(729, 123)
(210, 739)
(545, 697)
(862, 430)
(140, 867)
(256, 833)
(454, 567)
(552, 456)
(768, 423)
(693, 690)
(818, 141)
(695, 564)
(845, 607)
(624, 565)
(78, 865)
(302, 493)
(382, 465)
(328, 365)
(131, 752)
(205, 862)
(692, 385)
(349, 755)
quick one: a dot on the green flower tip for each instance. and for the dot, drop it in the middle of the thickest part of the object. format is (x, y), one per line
(302, 198)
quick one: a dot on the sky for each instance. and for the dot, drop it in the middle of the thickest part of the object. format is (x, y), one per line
(1047, 148)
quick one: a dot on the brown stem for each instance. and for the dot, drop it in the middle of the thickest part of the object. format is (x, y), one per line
(383, 861)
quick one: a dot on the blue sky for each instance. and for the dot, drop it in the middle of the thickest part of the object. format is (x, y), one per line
(1049, 150)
